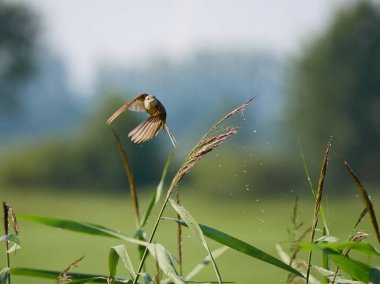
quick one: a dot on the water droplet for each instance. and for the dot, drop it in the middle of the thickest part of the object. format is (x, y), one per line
(254, 131)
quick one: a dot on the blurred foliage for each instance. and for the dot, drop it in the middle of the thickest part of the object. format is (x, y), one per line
(239, 174)
(336, 89)
(89, 159)
(18, 36)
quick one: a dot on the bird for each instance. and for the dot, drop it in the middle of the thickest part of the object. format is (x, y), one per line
(149, 128)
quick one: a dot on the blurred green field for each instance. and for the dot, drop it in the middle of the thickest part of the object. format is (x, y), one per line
(261, 222)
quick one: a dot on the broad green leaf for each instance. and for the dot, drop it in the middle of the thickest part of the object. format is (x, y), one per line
(121, 252)
(242, 247)
(81, 227)
(75, 277)
(113, 260)
(162, 256)
(194, 227)
(337, 247)
(354, 268)
(4, 275)
(206, 261)
(10, 238)
(157, 194)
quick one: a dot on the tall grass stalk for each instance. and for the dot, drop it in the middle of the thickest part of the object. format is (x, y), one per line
(131, 179)
(204, 145)
(365, 197)
(179, 237)
(318, 200)
(6, 230)
(325, 226)
(8, 214)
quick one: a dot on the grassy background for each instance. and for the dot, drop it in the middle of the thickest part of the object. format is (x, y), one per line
(260, 222)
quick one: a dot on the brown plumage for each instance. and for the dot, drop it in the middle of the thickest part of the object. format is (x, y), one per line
(149, 128)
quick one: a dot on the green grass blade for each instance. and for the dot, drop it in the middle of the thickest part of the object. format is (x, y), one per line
(80, 227)
(242, 247)
(162, 256)
(354, 268)
(113, 261)
(160, 187)
(365, 197)
(194, 227)
(206, 261)
(131, 179)
(75, 277)
(364, 212)
(157, 194)
(121, 252)
(339, 247)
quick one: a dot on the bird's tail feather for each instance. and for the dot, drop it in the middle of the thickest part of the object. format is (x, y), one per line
(170, 134)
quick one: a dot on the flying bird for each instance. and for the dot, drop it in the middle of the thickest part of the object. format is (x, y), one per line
(149, 128)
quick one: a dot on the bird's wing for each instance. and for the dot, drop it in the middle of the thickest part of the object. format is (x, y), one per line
(136, 104)
(146, 130)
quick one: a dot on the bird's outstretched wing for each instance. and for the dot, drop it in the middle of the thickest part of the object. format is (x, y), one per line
(146, 130)
(136, 104)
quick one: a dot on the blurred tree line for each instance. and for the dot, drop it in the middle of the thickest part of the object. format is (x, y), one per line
(334, 90)
(19, 29)
(88, 159)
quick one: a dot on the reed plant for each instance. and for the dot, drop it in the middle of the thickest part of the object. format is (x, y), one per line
(337, 266)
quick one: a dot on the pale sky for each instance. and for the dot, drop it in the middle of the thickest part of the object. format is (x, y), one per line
(86, 33)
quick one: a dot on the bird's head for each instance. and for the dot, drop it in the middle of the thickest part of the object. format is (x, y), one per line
(150, 101)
